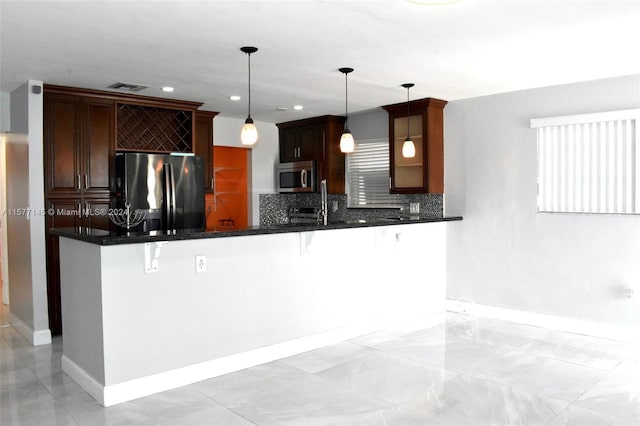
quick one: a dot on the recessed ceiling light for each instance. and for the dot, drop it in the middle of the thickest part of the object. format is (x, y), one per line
(298, 107)
(235, 97)
(281, 109)
(167, 89)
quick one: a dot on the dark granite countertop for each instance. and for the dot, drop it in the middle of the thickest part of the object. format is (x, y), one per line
(106, 238)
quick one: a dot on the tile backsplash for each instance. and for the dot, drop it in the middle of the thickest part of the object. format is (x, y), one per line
(273, 207)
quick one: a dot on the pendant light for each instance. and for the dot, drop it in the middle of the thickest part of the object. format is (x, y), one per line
(249, 133)
(347, 144)
(408, 147)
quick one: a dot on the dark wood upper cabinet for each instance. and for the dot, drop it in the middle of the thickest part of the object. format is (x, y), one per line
(79, 144)
(99, 128)
(62, 143)
(203, 145)
(300, 143)
(425, 124)
(316, 139)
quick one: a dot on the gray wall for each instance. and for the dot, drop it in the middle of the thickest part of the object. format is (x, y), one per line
(25, 190)
(506, 254)
(5, 115)
(370, 125)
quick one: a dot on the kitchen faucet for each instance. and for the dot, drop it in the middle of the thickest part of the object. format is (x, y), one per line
(324, 204)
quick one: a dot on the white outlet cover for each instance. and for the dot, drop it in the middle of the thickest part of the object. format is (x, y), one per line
(201, 264)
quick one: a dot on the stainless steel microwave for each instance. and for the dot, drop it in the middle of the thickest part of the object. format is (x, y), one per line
(297, 176)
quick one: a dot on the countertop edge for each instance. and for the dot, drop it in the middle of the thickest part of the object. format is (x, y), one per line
(104, 238)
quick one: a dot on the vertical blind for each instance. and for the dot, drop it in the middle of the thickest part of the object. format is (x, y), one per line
(368, 175)
(589, 163)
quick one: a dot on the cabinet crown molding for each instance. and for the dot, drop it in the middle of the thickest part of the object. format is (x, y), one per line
(401, 107)
(124, 97)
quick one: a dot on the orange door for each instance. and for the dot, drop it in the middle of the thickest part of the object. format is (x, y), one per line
(227, 208)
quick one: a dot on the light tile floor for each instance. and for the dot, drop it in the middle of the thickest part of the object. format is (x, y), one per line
(461, 371)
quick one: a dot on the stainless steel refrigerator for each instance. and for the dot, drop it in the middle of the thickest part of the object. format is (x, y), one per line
(169, 189)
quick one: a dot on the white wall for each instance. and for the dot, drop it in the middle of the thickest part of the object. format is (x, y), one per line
(264, 156)
(287, 296)
(504, 253)
(5, 114)
(25, 190)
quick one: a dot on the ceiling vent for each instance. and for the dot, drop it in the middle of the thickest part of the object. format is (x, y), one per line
(130, 87)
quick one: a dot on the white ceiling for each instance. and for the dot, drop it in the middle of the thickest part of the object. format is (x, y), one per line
(465, 49)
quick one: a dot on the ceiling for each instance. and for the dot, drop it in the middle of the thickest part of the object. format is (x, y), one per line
(464, 49)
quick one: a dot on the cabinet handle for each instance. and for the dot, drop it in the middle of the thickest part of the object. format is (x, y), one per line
(212, 188)
(86, 181)
(389, 182)
(79, 208)
(79, 184)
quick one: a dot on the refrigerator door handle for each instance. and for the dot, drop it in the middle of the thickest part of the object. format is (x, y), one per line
(167, 196)
(173, 198)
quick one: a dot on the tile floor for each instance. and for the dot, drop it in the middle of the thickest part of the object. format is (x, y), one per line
(463, 371)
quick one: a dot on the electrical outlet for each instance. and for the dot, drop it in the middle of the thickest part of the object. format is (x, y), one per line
(334, 206)
(414, 208)
(201, 264)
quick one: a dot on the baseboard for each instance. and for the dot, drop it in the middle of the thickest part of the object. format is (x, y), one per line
(81, 377)
(590, 328)
(126, 391)
(36, 338)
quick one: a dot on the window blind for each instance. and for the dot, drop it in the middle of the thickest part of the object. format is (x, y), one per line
(368, 175)
(589, 163)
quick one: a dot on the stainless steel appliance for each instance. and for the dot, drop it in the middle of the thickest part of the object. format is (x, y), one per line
(297, 176)
(168, 188)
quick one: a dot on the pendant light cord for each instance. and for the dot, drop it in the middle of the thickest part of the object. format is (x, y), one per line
(346, 94)
(249, 59)
(408, 132)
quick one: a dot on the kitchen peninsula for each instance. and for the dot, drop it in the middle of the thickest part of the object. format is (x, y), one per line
(139, 319)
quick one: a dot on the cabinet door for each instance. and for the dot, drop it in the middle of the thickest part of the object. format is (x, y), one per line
(309, 139)
(98, 145)
(288, 145)
(408, 174)
(96, 213)
(62, 144)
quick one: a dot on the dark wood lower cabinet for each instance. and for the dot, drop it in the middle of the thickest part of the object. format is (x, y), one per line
(64, 213)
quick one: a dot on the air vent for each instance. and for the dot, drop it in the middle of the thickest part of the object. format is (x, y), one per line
(130, 87)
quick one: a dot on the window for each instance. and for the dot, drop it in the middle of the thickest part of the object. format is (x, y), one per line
(589, 163)
(368, 175)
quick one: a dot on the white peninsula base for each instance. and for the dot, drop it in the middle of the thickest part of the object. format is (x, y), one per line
(128, 333)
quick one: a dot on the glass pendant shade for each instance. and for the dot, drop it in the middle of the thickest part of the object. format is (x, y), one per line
(347, 144)
(408, 148)
(249, 133)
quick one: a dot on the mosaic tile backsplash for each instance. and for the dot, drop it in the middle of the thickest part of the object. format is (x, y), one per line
(274, 207)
